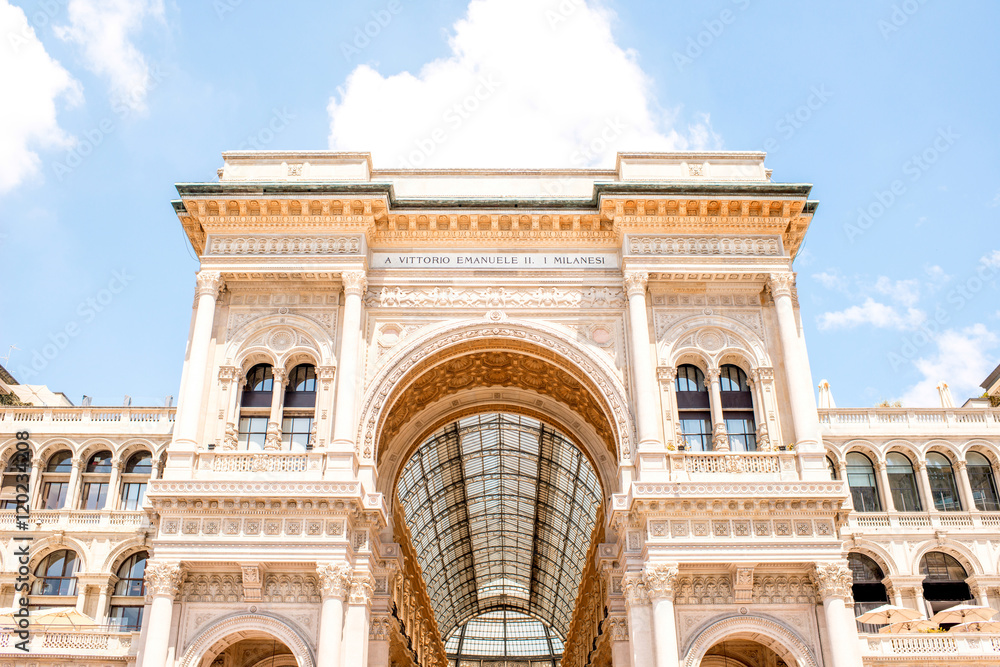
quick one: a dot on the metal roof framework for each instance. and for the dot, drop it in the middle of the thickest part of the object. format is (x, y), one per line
(501, 509)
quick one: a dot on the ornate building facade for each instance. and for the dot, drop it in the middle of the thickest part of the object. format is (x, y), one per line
(483, 418)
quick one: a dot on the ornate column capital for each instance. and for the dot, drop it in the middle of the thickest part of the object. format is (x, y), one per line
(208, 282)
(666, 375)
(163, 577)
(834, 580)
(355, 282)
(280, 375)
(960, 465)
(781, 284)
(712, 375)
(634, 587)
(334, 579)
(362, 588)
(635, 282)
(325, 374)
(660, 579)
(229, 374)
(720, 438)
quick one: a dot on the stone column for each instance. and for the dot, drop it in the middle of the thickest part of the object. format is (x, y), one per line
(640, 619)
(965, 486)
(642, 364)
(357, 620)
(805, 419)
(834, 582)
(163, 580)
(344, 426)
(925, 485)
(73, 489)
(660, 580)
(104, 593)
(720, 439)
(112, 498)
(759, 411)
(272, 440)
(335, 580)
(190, 410)
(667, 376)
(883, 479)
(34, 500)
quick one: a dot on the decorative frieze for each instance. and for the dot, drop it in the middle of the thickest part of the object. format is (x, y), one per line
(705, 245)
(294, 587)
(495, 297)
(283, 245)
(703, 589)
(783, 589)
(208, 587)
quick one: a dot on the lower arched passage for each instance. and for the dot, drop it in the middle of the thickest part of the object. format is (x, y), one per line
(240, 627)
(772, 634)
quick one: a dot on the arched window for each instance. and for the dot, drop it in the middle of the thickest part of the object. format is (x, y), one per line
(96, 478)
(126, 605)
(55, 481)
(693, 408)
(861, 479)
(56, 574)
(300, 407)
(137, 471)
(255, 407)
(867, 589)
(942, 479)
(902, 483)
(15, 483)
(983, 482)
(944, 581)
(737, 409)
(832, 467)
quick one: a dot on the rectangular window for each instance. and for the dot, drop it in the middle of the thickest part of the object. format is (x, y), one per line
(983, 488)
(132, 495)
(94, 495)
(126, 619)
(295, 432)
(697, 432)
(54, 495)
(253, 431)
(904, 491)
(742, 433)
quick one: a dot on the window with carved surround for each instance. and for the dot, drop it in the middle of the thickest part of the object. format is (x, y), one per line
(129, 593)
(737, 409)
(693, 408)
(867, 590)
(861, 480)
(299, 408)
(983, 482)
(55, 480)
(96, 478)
(56, 574)
(944, 490)
(136, 474)
(902, 483)
(255, 407)
(944, 581)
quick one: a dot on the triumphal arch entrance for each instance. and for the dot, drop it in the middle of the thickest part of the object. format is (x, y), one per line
(482, 418)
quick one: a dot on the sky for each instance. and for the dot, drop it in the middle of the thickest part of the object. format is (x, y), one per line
(887, 107)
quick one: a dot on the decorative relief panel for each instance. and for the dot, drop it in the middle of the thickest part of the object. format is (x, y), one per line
(705, 245)
(495, 297)
(703, 589)
(291, 588)
(283, 245)
(783, 589)
(203, 587)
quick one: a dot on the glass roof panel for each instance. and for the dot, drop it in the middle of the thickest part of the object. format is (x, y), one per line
(501, 509)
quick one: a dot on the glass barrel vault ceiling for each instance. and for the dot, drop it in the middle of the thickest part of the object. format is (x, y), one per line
(501, 509)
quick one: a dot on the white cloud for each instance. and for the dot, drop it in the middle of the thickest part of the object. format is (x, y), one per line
(936, 275)
(528, 83)
(832, 281)
(962, 359)
(105, 30)
(992, 260)
(996, 200)
(906, 292)
(34, 82)
(871, 312)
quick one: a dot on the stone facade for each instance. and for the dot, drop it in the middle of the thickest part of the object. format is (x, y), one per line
(598, 302)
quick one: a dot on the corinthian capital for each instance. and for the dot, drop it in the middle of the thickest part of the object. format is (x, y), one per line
(635, 282)
(334, 579)
(208, 282)
(833, 579)
(634, 587)
(163, 577)
(355, 282)
(362, 587)
(660, 580)
(781, 284)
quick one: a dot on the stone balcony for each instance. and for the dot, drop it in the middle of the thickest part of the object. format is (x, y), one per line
(87, 420)
(889, 523)
(931, 648)
(96, 642)
(92, 521)
(910, 421)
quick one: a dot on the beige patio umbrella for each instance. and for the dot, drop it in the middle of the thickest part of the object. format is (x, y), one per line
(977, 626)
(889, 613)
(964, 613)
(907, 626)
(65, 616)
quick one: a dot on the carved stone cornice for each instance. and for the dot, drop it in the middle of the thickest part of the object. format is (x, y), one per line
(362, 588)
(660, 580)
(833, 580)
(355, 282)
(634, 588)
(781, 284)
(635, 282)
(163, 577)
(334, 579)
(704, 245)
(208, 283)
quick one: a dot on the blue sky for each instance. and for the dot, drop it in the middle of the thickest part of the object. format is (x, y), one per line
(889, 108)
